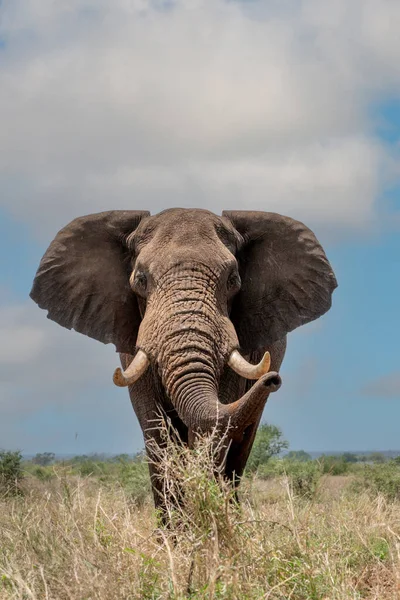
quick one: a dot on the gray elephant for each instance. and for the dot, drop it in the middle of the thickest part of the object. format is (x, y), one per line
(191, 301)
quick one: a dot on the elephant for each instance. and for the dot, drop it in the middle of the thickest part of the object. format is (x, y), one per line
(197, 305)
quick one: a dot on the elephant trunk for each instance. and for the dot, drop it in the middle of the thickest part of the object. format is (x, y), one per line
(198, 405)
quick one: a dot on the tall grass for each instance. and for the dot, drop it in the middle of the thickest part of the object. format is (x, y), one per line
(80, 537)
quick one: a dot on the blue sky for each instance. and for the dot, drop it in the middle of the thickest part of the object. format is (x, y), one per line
(291, 108)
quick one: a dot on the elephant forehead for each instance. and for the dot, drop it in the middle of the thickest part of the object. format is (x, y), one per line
(185, 229)
(182, 225)
(186, 253)
(188, 234)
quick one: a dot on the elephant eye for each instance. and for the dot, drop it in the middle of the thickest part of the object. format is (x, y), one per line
(234, 282)
(140, 281)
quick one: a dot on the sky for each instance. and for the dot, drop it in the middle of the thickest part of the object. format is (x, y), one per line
(277, 105)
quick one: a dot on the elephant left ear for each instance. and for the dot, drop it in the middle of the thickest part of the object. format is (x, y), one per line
(83, 278)
(287, 280)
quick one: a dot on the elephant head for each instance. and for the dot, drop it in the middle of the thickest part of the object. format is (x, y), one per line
(185, 291)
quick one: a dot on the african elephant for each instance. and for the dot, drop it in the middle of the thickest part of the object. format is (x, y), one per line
(191, 301)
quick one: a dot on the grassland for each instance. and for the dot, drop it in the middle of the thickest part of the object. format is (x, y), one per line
(300, 535)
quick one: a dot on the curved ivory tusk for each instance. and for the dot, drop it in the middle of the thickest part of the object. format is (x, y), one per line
(247, 370)
(134, 371)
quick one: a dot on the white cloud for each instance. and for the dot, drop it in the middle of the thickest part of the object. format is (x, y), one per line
(42, 364)
(206, 103)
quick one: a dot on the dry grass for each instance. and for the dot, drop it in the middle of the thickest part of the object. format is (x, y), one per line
(69, 538)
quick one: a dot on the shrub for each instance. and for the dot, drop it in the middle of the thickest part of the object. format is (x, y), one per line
(273, 468)
(10, 472)
(333, 465)
(377, 457)
(88, 467)
(134, 478)
(44, 459)
(304, 478)
(380, 479)
(298, 455)
(349, 457)
(268, 442)
(43, 473)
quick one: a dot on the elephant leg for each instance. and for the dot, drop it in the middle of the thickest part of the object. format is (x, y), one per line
(150, 406)
(239, 453)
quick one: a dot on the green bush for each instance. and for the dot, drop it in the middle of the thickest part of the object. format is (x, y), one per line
(42, 473)
(89, 467)
(349, 457)
(298, 455)
(268, 443)
(380, 479)
(272, 468)
(44, 459)
(377, 457)
(333, 465)
(10, 472)
(86, 465)
(132, 474)
(134, 478)
(304, 478)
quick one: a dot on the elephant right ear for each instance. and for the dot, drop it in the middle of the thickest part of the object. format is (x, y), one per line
(83, 278)
(287, 280)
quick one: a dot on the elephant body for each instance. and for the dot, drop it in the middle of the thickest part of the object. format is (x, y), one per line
(180, 294)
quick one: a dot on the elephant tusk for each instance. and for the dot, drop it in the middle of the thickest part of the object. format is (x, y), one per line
(134, 371)
(247, 370)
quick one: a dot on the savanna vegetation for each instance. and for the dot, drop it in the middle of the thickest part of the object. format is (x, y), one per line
(305, 529)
